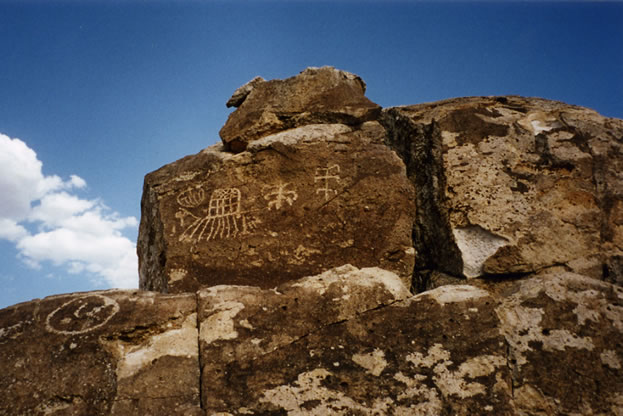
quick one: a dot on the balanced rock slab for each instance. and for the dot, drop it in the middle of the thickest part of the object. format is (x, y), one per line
(316, 95)
(511, 185)
(100, 353)
(294, 204)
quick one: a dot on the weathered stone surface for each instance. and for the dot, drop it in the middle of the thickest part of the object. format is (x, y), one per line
(294, 204)
(316, 95)
(347, 341)
(509, 185)
(241, 93)
(95, 353)
(564, 333)
(522, 196)
(332, 344)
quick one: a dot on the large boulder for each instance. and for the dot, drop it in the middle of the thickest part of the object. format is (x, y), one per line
(347, 341)
(316, 95)
(100, 353)
(293, 247)
(293, 204)
(332, 344)
(512, 185)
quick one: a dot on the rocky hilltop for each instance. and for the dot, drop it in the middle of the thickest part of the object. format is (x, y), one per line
(462, 257)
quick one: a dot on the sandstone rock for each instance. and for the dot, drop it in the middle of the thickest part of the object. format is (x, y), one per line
(509, 185)
(294, 204)
(249, 329)
(316, 95)
(95, 353)
(564, 334)
(522, 196)
(316, 347)
(337, 345)
(347, 341)
(241, 93)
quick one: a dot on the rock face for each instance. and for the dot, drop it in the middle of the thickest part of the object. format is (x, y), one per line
(100, 353)
(295, 203)
(347, 341)
(297, 250)
(550, 345)
(513, 185)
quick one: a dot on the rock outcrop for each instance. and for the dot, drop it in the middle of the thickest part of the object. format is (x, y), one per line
(295, 203)
(100, 353)
(347, 341)
(315, 96)
(512, 185)
(454, 258)
(550, 345)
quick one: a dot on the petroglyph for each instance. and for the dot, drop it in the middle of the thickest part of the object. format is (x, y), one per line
(187, 176)
(11, 331)
(81, 315)
(177, 274)
(224, 218)
(278, 195)
(191, 197)
(325, 176)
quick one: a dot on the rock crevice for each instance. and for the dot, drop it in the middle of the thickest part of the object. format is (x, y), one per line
(511, 185)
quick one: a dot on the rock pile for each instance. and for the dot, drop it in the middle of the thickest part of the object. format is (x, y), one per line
(332, 257)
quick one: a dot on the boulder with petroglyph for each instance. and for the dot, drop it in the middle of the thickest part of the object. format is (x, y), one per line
(294, 204)
(346, 341)
(315, 96)
(296, 242)
(511, 185)
(95, 353)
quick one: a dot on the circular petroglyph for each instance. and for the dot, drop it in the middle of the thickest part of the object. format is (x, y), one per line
(81, 315)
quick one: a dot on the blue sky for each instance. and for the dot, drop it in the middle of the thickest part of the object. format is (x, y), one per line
(95, 94)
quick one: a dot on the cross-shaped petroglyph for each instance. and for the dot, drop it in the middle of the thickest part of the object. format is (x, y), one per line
(224, 217)
(278, 195)
(324, 176)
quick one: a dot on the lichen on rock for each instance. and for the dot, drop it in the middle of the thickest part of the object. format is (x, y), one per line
(329, 257)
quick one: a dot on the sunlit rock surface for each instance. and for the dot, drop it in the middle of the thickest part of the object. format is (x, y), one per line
(346, 341)
(511, 185)
(463, 257)
(315, 96)
(94, 353)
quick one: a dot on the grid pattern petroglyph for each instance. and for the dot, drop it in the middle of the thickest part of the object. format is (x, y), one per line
(224, 218)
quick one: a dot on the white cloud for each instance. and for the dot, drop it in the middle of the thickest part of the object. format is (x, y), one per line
(56, 208)
(79, 234)
(12, 231)
(77, 181)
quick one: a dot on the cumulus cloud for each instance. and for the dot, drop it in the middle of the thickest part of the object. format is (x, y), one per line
(81, 235)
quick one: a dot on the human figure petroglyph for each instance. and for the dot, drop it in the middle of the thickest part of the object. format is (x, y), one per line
(81, 315)
(278, 195)
(224, 218)
(324, 176)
